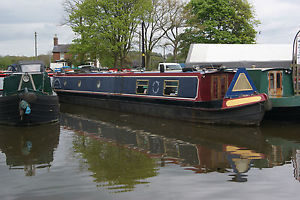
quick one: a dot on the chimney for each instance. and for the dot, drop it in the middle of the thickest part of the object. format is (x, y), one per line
(55, 39)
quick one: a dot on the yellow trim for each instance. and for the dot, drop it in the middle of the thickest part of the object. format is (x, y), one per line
(245, 153)
(171, 87)
(237, 81)
(236, 102)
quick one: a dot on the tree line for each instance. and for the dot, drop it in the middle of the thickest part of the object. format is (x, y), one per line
(109, 29)
(5, 61)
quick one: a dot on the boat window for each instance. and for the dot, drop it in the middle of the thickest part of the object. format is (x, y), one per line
(171, 87)
(271, 80)
(173, 67)
(79, 83)
(142, 86)
(278, 80)
(31, 68)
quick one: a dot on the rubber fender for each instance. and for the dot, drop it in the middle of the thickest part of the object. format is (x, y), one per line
(23, 104)
(268, 105)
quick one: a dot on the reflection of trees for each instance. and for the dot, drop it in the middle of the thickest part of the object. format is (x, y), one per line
(113, 166)
(200, 149)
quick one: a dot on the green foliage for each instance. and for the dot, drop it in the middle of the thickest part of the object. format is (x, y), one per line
(106, 28)
(219, 21)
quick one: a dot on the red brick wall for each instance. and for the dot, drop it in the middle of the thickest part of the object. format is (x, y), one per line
(56, 56)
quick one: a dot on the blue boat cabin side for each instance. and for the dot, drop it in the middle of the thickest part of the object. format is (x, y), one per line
(189, 86)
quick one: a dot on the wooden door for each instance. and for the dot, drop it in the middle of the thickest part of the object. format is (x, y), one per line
(275, 83)
(219, 86)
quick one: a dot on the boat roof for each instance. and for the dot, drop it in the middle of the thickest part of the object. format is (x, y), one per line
(149, 73)
(267, 69)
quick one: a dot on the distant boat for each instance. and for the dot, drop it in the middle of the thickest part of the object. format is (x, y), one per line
(27, 96)
(216, 97)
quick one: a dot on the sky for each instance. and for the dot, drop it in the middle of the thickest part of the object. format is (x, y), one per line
(20, 19)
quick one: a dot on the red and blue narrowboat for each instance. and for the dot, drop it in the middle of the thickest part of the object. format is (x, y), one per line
(216, 97)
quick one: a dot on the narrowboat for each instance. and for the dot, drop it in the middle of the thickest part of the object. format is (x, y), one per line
(216, 97)
(27, 97)
(278, 84)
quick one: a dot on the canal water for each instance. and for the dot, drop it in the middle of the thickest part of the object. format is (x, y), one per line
(98, 154)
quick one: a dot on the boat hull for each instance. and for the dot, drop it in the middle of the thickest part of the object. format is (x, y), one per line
(251, 114)
(284, 114)
(284, 109)
(44, 109)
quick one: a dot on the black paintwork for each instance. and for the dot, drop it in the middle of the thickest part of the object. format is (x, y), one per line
(243, 115)
(44, 109)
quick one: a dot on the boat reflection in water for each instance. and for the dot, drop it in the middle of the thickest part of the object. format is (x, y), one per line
(29, 148)
(125, 150)
(285, 145)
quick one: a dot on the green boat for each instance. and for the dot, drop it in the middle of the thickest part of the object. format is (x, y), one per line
(278, 84)
(27, 97)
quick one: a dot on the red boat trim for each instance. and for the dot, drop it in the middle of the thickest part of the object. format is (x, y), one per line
(134, 74)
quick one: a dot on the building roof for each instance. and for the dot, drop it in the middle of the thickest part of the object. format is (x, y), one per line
(243, 55)
(61, 48)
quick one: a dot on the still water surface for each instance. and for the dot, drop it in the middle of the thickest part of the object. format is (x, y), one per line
(98, 154)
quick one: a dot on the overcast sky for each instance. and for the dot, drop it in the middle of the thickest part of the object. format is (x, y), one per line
(19, 19)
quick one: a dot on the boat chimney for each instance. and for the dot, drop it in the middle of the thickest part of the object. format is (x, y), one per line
(55, 40)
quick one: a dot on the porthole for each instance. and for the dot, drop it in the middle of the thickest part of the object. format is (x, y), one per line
(98, 84)
(79, 84)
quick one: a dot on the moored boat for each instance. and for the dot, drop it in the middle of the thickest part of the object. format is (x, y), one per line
(27, 96)
(278, 84)
(217, 97)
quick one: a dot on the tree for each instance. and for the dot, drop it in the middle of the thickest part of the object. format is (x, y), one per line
(155, 21)
(219, 21)
(106, 27)
(176, 22)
